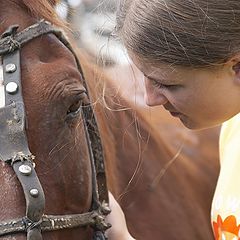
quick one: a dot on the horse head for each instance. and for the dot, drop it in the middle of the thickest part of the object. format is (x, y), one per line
(52, 96)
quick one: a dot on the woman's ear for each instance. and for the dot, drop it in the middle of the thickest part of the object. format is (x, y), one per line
(234, 65)
(236, 69)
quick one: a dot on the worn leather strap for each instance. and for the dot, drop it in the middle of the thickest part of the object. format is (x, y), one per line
(14, 145)
(35, 203)
(13, 141)
(12, 117)
(11, 40)
(54, 222)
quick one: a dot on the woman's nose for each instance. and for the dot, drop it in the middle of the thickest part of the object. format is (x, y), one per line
(152, 96)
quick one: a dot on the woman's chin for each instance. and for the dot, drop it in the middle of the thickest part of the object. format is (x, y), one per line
(195, 125)
(190, 124)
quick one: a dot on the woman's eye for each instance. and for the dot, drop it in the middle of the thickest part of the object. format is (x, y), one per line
(162, 86)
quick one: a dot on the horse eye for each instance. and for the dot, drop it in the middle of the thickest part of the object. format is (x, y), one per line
(74, 109)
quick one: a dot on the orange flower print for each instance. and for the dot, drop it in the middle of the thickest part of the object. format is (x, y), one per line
(227, 229)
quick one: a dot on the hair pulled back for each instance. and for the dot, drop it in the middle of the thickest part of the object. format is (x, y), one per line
(183, 32)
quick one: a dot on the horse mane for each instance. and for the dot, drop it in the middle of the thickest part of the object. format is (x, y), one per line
(44, 9)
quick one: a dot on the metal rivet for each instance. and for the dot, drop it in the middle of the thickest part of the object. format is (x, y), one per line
(10, 68)
(25, 170)
(11, 87)
(34, 192)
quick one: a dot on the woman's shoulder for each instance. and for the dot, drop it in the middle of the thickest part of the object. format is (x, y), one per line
(230, 135)
(226, 202)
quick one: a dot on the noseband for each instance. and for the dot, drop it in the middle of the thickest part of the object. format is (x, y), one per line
(14, 148)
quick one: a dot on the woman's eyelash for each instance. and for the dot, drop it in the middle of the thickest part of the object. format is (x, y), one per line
(160, 85)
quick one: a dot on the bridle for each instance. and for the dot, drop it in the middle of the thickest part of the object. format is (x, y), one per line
(14, 148)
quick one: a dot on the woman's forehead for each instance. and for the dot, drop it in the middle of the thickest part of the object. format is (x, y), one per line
(163, 72)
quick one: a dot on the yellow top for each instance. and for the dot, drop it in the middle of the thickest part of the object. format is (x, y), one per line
(225, 212)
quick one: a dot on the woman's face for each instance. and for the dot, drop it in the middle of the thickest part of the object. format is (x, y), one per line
(200, 98)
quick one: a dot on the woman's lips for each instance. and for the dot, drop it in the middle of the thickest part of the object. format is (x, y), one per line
(173, 112)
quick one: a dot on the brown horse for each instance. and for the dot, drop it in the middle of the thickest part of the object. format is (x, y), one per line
(175, 207)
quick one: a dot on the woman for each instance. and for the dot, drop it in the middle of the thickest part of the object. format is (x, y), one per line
(189, 53)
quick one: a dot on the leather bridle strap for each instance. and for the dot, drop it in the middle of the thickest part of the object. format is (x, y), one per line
(14, 148)
(52, 223)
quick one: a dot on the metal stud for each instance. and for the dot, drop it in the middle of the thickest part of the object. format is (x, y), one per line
(34, 192)
(25, 169)
(10, 68)
(11, 87)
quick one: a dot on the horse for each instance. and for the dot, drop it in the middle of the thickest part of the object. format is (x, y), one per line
(134, 153)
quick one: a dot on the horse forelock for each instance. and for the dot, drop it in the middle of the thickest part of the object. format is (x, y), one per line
(2, 96)
(44, 9)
